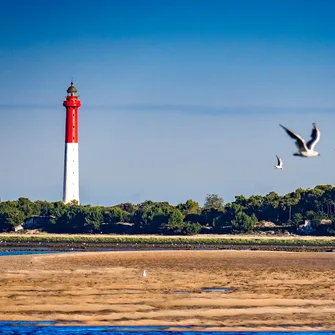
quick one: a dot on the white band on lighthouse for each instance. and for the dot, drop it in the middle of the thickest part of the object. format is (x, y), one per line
(71, 173)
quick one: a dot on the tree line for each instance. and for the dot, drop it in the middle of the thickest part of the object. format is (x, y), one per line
(188, 218)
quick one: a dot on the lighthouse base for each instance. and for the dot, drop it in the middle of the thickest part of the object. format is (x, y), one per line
(71, 173)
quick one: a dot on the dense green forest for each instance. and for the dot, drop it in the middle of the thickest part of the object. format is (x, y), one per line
(240, 216)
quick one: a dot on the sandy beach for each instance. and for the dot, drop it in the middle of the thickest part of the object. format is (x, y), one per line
(266, 290)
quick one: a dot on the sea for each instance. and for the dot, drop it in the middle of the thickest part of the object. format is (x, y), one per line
(46, 328)
(43, 328)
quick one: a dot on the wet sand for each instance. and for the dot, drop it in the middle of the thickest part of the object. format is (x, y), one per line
(269, 290)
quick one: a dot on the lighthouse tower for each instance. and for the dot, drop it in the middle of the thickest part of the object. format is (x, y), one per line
(71, 159)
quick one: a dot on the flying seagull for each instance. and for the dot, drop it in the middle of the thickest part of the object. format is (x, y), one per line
(305, 150)
(279, 163)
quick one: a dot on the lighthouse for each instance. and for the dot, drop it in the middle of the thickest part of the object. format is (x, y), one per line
(71, 157)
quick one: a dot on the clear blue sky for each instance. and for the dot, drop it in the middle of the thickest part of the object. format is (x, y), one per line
(179, 98)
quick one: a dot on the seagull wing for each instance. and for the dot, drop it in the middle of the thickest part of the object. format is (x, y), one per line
(278, 161)
(300, 142)
(315, 137)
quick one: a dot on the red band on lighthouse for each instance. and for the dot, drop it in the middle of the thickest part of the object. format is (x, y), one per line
(71, 128)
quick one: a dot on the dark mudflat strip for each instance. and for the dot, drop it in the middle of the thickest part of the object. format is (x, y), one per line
(108, 246)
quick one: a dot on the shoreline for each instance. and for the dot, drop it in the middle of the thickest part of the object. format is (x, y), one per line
(93, 246)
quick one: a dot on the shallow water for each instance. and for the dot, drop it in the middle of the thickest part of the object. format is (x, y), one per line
(217, 289)
(25, 252)
(47, 328)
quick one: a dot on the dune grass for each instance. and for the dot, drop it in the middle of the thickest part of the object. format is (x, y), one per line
(178, 240)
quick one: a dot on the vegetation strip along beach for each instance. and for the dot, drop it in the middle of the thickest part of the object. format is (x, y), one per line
(94, 242)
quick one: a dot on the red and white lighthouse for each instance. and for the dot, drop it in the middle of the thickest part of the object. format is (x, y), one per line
(71, 159)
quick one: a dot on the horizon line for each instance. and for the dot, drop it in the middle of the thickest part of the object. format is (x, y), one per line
(184, 108)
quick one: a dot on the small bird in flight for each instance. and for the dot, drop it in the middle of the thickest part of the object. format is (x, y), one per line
(305, 150)
(279, 163)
